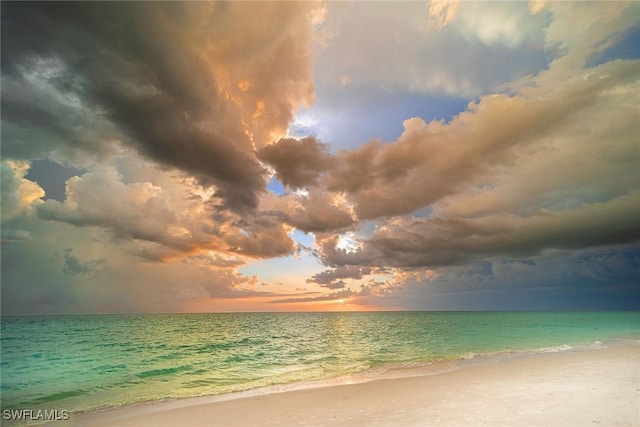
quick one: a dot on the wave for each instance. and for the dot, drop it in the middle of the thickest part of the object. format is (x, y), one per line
(163, 371)
(219, 354)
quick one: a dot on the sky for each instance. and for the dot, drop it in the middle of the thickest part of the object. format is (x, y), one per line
(303, 156)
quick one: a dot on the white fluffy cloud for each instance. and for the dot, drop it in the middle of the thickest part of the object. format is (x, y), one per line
(19, 195)
(413, 54)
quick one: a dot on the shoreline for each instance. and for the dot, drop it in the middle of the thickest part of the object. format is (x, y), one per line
(601, 377)
(380, 372)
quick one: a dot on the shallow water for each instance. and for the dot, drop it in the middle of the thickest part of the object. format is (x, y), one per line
(85, 363)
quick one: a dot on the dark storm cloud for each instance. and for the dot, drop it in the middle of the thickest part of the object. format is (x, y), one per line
(140, 65)
(592, 279)
(173, 139)
(41, 121)
(24, 113)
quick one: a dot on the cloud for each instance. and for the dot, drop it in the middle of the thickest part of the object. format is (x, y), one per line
(431, 161)
(345, 293)
(511, 25)
(536, 6)
(163, 78)
(410, 242)
(319, 212)
(332, 279)
(609, 266)
(73, 265)
(100, 275)
(315, 211)
(99, 198)
(19, 195)
(583, 31)
(174, 116)
(157, 223)
(441, 12)
(43, 118)
(582, 279)
(262, 237)
(12, 235)
(297, 163)
(589, 158)
(418, 54)
(214, 158)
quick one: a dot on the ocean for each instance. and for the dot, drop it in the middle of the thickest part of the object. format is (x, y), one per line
(88, 363)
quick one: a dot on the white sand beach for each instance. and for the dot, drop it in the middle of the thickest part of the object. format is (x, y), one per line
(599, 386)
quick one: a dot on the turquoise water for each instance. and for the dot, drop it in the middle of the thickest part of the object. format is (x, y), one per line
(85, 363)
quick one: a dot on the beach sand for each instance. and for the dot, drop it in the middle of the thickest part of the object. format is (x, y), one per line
(599, 386)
